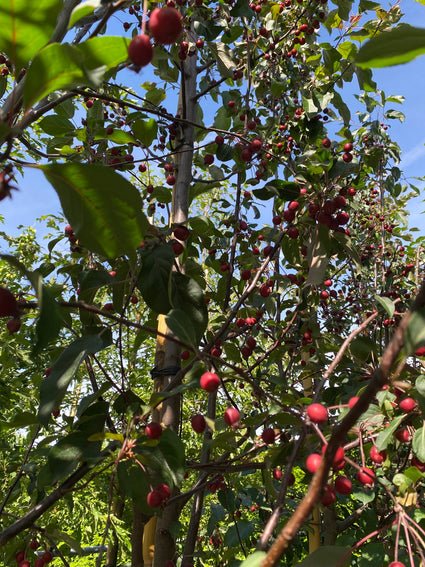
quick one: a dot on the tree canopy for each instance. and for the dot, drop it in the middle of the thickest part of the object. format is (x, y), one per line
(215, 357)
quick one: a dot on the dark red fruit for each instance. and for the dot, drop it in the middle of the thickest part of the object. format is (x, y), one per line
(343, 485)
(268, 436)
(328, 496)
(8, 305)
(153, 430)
(140, 50)
(164, 490)
(34, 544)
(13, 325)
(177, 247)
(231, 416)
(198, 423)
(20, 556)
(165, 25)
(154, 499)
(39, 562)
(277, 474)
(47, 557)
(181, 232)
(326, 143)
(317, 413)
(210, 382)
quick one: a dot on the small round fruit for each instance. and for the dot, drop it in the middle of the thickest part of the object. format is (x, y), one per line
(402, 435)
(231, 416)
(210, 382)
(347, 157)
(154, 499)
(328, 496)
(24, 563)
(376, 456)
(164, 490)
(13, 325)
(177, 247)
(47, 557)
(153, 430)
(317, 413)
(407, 405)
(165, 25)
(268, 436)
(140, 50)
(343, 485)
(8, 304)
(34, 544)
(338, 458)
(39, 562)
(415, 462)
(326, 143)
(312, 462)
(396, 564)
(366, 476)
(277, 474)
(20, 556)
(181, 232)
(348, 147)
(198, 423)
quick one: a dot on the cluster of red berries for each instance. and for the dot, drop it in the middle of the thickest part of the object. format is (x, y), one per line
(22, 560)
(73, 241)
(158, 496)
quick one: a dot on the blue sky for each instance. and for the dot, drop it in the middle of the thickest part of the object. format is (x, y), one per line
(36, 197)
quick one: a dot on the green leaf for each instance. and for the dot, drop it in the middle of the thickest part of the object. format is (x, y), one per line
(254, 560)
(386, 435)
(56, 125)
(414, 335)
(145, 131)
(386, 303)
(327, 556)
(318, 261)
(399, 45)
(83, 10)
(240, 532)
(64, 66)
(187, 295)
(225, 57)
(285, 190)
(154, 281)
(54, 387)
(180, 325)
(49, 321)
(104, 209)
(418, 443)
(75, 447)
(134, 484)
(94, 279)
(25, 30)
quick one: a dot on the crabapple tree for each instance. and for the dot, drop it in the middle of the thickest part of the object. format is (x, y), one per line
(216, 358)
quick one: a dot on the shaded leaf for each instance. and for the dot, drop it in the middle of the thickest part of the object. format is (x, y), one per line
(285, 190)
(327, 556)
(54, 387)
(254, 560)
(399, 45)
(386, 303)
(103, 208)
(154, 281)
(145, 131)
(22, 36)
(414, 335)
(64, 66)
(188, 296)
(180, 325)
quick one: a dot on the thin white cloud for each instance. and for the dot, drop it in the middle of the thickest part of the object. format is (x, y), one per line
(417, 152)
